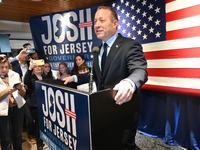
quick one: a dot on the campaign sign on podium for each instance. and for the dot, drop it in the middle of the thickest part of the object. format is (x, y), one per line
(71, 120)
(63, 117)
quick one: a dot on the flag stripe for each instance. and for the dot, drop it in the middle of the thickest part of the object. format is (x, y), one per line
(85, 24)
(175, 82)
(174, 72)
(88, 22)
(70, 113)
(183, 13)
(174, 63)
(180, 4)
(170, 89)
(183, 33)
(172, 44)
(174, 53)
(168, 1)
(183, 23)
(74, 117)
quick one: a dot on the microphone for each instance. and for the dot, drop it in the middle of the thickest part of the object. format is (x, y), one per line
(94, 50)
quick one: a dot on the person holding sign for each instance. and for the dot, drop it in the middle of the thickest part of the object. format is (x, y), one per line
(120, 64)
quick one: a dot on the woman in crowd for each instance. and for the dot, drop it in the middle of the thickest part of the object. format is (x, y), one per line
(78, 60)
(63, 71)
(33, 74)
(47, 73)
(11, 106)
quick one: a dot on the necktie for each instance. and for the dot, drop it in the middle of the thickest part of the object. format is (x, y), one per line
(103, 59)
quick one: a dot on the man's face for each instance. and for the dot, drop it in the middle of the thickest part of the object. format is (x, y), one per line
(24, 59)
(104, 27)
(35, 56)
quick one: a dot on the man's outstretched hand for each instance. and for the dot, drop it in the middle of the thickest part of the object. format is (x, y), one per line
(68, 79)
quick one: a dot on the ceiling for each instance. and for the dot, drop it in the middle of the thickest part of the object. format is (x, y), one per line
(20, 11)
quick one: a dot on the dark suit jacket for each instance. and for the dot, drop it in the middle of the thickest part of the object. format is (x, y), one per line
(16, 67)
(125, 60)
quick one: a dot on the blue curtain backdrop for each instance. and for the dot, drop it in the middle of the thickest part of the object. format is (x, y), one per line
(171, 117)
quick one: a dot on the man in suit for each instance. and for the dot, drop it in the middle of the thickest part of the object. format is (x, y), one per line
(20, 64)
(124, 70)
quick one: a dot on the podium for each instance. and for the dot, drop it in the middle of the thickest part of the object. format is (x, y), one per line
(69, 119)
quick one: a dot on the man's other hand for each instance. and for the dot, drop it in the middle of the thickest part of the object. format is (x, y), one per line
(125, 92)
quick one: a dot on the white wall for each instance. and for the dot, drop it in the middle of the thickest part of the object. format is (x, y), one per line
(17, 44)
(19, 33)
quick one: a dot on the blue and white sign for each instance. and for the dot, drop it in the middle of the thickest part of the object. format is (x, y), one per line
(59, 37)
(64, 117)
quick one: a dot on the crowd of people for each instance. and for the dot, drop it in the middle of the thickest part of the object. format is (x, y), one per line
(18, 104)
(120, 65)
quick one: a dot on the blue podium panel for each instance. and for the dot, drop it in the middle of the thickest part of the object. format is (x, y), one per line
(64, 117)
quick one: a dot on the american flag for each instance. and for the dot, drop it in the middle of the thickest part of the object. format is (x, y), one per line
(169, 31)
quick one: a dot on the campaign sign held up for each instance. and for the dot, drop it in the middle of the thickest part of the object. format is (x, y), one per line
(64, 117)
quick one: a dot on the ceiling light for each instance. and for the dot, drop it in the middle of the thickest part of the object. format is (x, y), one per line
(1, 1)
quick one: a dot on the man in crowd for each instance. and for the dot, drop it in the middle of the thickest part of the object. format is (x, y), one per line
(20, 64)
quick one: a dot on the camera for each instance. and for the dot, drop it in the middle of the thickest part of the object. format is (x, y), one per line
(30, 51)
